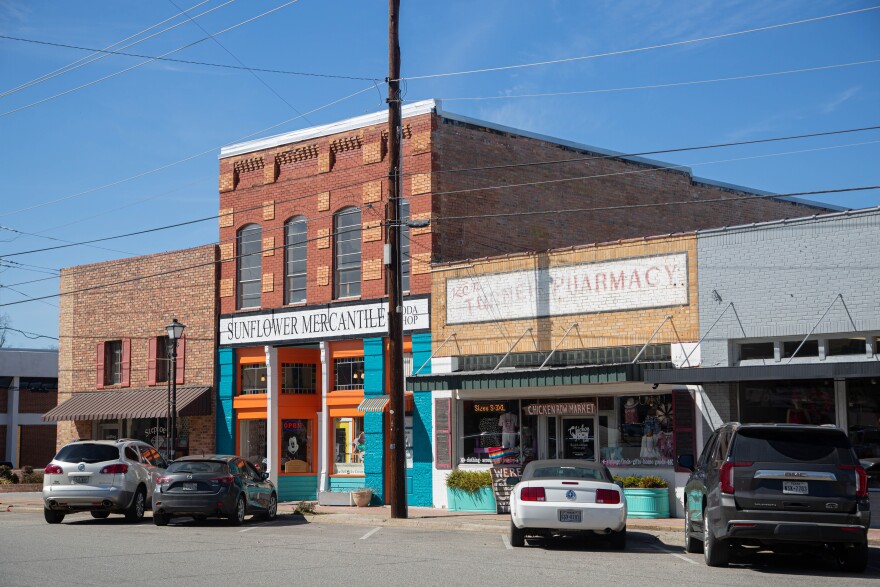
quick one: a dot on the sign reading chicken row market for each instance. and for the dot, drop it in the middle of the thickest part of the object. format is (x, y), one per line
(607, 286)
(321, 323)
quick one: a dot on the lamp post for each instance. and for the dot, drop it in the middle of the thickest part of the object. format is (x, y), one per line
(175, 331)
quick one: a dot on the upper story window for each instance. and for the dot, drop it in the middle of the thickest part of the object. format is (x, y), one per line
(163, 361)
(847, 346)
(348, 373)
(298, 378)
(295, 260)
(809, 348)
(253, 379)
(404, 245)
(250, 257)
(347, 253)
(113, 362)
(756, 350)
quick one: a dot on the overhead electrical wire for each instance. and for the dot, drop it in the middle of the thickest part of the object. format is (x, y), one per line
(133, 67)
(639, 49)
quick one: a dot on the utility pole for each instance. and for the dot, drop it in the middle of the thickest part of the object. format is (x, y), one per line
(392, 271)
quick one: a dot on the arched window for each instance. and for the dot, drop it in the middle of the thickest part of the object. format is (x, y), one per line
(295, 261)
(347, 253)
(250, 258)
(404, 245)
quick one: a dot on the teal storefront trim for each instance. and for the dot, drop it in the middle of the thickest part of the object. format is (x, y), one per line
(420, 490)
(482, 500)
(297, 487)
(374, 429)
(347, 483)
(226, 380)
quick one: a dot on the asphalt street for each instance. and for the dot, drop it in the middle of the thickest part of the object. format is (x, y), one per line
(297, 551)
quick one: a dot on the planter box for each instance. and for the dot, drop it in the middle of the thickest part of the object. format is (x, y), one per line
(647, 503)
(335, 498)
(463, 501)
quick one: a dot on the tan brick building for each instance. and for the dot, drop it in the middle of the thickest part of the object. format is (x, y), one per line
(114, 370)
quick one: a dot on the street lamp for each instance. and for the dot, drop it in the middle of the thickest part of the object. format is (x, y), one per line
(175, 331)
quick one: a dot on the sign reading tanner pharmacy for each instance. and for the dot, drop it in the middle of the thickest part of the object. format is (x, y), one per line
(321, 323)
(607, 286)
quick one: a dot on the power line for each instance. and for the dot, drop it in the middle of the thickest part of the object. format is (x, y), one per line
(657, 86)
(640, 49)
(184, 61)
(26, 334)
(80, 62)
(133, 67)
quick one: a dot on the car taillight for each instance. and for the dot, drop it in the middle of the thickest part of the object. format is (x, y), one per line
(53, 470)
(163, 480)
(727, 475)
(225, 480)
(117, 469)
(861, 478)
(532, 494)
(607, 496)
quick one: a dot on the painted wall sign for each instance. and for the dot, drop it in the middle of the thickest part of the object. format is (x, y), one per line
(607, 286)
(561, 409)
(321, 323)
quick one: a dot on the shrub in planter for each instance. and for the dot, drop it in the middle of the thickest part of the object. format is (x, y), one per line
(28, 475)
(470, 491)
(7, 477)
(469, 481)
(646, 497)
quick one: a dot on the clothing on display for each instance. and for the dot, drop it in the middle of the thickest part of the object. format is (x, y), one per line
(508, 423)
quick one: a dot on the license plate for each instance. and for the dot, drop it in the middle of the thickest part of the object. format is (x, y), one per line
(190, 486)
(79, 478)
(795, 487)
(570, 516)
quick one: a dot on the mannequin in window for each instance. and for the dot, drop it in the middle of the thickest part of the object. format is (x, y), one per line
(508, 423)
(796, 414)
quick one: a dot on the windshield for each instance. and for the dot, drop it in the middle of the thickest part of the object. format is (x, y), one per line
(87, 453)
(780, 445)
(197, 467)
(560, 472)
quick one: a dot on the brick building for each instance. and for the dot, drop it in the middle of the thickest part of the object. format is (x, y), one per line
(28, 389)
(302, 365)
(114, 370)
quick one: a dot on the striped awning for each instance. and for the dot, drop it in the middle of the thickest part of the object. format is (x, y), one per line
(131, 403)
(379, 403)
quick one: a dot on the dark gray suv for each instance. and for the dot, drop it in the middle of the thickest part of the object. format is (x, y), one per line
(779, 487)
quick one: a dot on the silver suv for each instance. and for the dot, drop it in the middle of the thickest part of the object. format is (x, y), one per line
(102, 477)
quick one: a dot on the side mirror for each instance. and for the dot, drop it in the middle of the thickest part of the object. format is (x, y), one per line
(264, 475)
(686, 462)
(511, 481)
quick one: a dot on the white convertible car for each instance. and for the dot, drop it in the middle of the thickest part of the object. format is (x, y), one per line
(567, 497)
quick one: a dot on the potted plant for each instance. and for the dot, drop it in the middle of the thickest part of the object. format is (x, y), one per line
(362, 497)
(470, 491)
(646, 497)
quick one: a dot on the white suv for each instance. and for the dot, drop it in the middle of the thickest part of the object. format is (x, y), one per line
(101, 477)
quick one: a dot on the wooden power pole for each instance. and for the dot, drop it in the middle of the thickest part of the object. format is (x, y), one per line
(392, 271)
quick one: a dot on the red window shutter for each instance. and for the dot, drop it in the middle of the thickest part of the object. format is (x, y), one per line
(151, 362)
(685, 426)
(181, 360)
(126, 362)
(99, 364)
(443, 432)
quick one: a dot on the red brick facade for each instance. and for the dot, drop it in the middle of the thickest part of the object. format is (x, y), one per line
(137, 311)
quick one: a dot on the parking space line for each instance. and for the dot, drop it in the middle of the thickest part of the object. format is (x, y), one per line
(371, 532)
(675, 554)
(245, 530)
(506, 540)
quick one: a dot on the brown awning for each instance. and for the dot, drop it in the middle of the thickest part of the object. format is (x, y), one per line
(131, 403)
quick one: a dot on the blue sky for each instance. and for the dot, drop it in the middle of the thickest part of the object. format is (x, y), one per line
(164, 112)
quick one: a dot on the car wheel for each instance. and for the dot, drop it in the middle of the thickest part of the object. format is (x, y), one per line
(237, 516)
(272, 510)
(100, 514)
(52, 516)
(853, 559)
(716, 552)
(691, 544)
(617, 540)
(135, 512)
(517, 536)
(161, 519)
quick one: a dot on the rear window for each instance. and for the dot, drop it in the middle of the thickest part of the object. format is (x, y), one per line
(827, 447)
(87, 453)
(197, 467)
(569, 473)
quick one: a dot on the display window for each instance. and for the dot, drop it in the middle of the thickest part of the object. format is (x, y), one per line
(497, 432)
(252, 443)
(349, 446)
(796, 402)
(296, 446)
(863, 425)
(640, 432)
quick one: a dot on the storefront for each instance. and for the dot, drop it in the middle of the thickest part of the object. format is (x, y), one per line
(309, 404)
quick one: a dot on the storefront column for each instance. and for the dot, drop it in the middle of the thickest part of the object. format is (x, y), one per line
(422, 491)
(273, 436)
(225, 394)
(12, 421)
(323, 484)
(374, 430)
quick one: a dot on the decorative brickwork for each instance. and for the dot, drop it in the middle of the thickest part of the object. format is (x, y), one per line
(343, 144)
(269, 210)
(227, 287)
(227, 251)
(325, 162)
(268, 282)
(324, 275)
(421, 183)
(421, 263)
(323, 238)
(374, 152)
(268, 246)
(372, 269)
(227, 181)
(323, 201)
(270, 171)
(372, 192)
(227, 217)
(251, 164)
(298, 154)
(423, 230)
(421, 143)
(372, 231)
